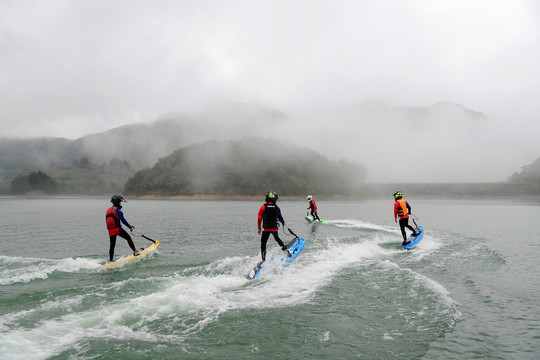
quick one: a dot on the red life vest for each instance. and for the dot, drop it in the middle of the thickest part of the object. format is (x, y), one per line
(312, 205)
(113, 221)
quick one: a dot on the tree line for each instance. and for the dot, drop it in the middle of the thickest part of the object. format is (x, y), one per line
(250, 166)
(529, 173)
(81, 178)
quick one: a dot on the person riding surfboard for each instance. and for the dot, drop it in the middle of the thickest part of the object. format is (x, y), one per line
(269, 214)
(313, 208)
(114, 218)
(403, 209)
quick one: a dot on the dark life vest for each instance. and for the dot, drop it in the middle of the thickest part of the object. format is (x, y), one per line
(269, 216)
(113, 221)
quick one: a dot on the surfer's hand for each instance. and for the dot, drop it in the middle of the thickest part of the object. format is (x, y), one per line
(395, 220)
(132, 228)
(259, 231)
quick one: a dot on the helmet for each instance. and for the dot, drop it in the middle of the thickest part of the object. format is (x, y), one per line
(271, 196)
(309, 197)
(117, 199)
(398, 194)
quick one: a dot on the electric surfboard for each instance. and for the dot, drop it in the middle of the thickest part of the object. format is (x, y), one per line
(413, 240)
(310, 220)
(128, 259)
(294, 247)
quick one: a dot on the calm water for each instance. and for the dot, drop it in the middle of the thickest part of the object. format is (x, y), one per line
(469, 290)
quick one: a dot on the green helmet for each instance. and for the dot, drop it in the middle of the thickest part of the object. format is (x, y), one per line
(271, 196)
(398, 194)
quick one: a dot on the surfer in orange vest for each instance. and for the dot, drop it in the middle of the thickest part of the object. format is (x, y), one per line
(114, 218)
(403, 209)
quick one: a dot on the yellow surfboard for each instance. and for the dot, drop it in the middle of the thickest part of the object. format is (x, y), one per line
(132, 258)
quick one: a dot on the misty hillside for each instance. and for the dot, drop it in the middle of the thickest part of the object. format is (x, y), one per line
(528, 174)
(444, 142)
(251, 166)
(140, 144)
(24, 154)
(143, 144)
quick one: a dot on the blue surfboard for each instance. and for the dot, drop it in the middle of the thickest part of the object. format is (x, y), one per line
(295, 247)
(413, 240)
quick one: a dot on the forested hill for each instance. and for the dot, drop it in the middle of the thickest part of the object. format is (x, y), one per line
(251, 166)
(529, 173)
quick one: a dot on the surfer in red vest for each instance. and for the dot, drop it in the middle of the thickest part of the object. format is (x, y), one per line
(403, 209)
(114, 218)
(269, 214)
(313, 208)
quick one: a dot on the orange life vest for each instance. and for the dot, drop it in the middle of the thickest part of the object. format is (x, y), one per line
(402, 209)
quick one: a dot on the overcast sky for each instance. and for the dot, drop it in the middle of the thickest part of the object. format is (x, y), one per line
(69, 68)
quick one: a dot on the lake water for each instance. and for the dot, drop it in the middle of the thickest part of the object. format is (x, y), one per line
(470, 289)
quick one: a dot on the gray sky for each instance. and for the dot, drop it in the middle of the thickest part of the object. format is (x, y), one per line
(68, 68)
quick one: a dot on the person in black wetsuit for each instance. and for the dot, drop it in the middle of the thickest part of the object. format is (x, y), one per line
(114, 218)
(269, 214)
(403, 209)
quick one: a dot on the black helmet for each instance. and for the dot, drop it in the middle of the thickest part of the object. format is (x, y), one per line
(116, 200)
(271, 196)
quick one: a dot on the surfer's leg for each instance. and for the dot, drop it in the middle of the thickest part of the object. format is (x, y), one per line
(410, 227)
(264, 238)
(276, 237)
(280, 243)
(125, 235)
(317, 216)
(414, 233)
(402, 224)
(112, 238)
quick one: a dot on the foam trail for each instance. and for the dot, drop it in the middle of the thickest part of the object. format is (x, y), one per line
(358, 224)
(32, 269)
(449, 309)
(190, 300)
(187, 302)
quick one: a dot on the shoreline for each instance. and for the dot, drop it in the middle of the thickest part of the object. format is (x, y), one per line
(238, 197)
(369, 191)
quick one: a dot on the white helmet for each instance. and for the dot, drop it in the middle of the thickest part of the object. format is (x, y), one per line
(309, 197)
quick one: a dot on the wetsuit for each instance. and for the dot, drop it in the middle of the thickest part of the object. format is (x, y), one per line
(313, 208)
(114, 218)
(269, 214)
(403, 209)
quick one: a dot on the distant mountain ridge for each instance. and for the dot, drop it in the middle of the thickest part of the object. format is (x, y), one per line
(141, 144)
(434, 109)
(365, 133)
